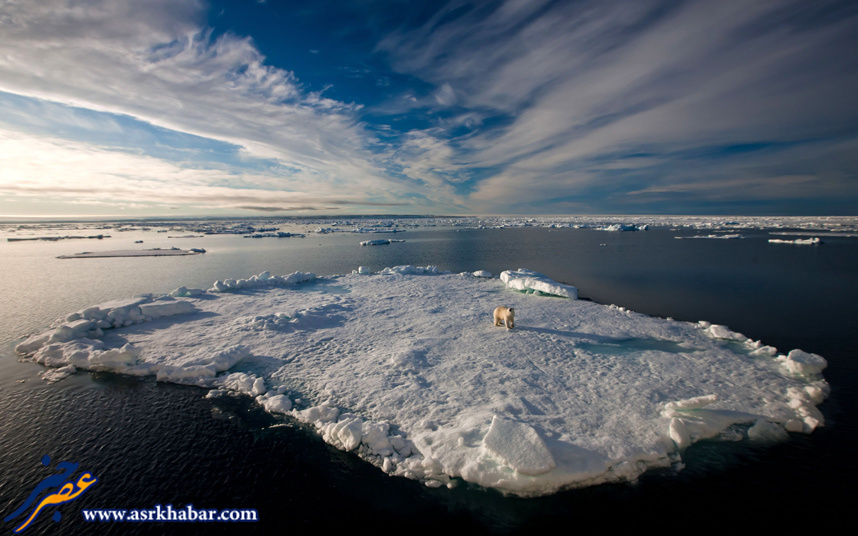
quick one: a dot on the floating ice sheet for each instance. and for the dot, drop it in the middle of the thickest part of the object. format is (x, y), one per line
(379, 242)
(405, 369)
(157, 252)
(814, 241)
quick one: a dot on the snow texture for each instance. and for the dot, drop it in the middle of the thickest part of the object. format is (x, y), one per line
(404, 369)
(519, 446)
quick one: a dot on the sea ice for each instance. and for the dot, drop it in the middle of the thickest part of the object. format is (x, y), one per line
(801, 362)
(156, 252)
(798, 241)
(767, 432)
(165, 308)
(278, 234)
(622, 227)
(379, 242)
(529, 281)
(407, 269)
(183, 292)
(277, 404)
(265, 279)
(405, 369)
(732, 236)
(56, 374)
(519, 446)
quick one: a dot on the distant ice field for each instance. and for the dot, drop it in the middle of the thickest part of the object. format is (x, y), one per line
(405, 368)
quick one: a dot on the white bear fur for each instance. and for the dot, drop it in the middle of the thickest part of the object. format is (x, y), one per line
(505, 314)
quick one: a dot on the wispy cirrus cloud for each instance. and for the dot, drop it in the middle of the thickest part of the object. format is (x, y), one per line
(580, 86)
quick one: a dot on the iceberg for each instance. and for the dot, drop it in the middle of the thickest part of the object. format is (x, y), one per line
(404, 369)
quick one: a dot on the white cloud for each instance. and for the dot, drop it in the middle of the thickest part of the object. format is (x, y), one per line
(424, 157)
(445, 96)
(155, 61)
(84, 174)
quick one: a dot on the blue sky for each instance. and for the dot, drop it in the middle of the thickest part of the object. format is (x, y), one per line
(245, 108)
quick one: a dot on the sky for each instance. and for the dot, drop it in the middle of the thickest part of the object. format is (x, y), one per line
(187, 108)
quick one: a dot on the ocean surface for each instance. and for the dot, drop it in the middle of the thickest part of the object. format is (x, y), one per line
(153, 443)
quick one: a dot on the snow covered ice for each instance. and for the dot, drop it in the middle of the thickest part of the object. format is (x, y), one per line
(530, 281)
(814, 241)
(156, 252)
(404, 368)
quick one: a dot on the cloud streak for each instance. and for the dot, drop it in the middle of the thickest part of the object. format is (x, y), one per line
(588, 82)
(488, 106)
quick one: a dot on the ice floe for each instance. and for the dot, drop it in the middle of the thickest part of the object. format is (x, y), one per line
(519, 446)
(53, 375)
(620, 227)
(731, 236)
(56, 238)
(404, 368)
(407, 269)
(719, 227)
(798, 241)
(278, 234)
(379, 242)
(265, 279)
(156, 252)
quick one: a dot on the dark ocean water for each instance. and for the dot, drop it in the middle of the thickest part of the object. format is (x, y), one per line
(152, 443)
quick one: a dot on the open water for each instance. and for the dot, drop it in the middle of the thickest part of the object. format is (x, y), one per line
(152, 443)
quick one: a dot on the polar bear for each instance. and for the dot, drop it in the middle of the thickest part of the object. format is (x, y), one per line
(507, 314)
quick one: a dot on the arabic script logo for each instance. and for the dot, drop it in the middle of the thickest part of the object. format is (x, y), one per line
(68, 488)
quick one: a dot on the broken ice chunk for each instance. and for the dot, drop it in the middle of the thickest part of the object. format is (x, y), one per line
(519, 446)
(524, 280)
(801, 362)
